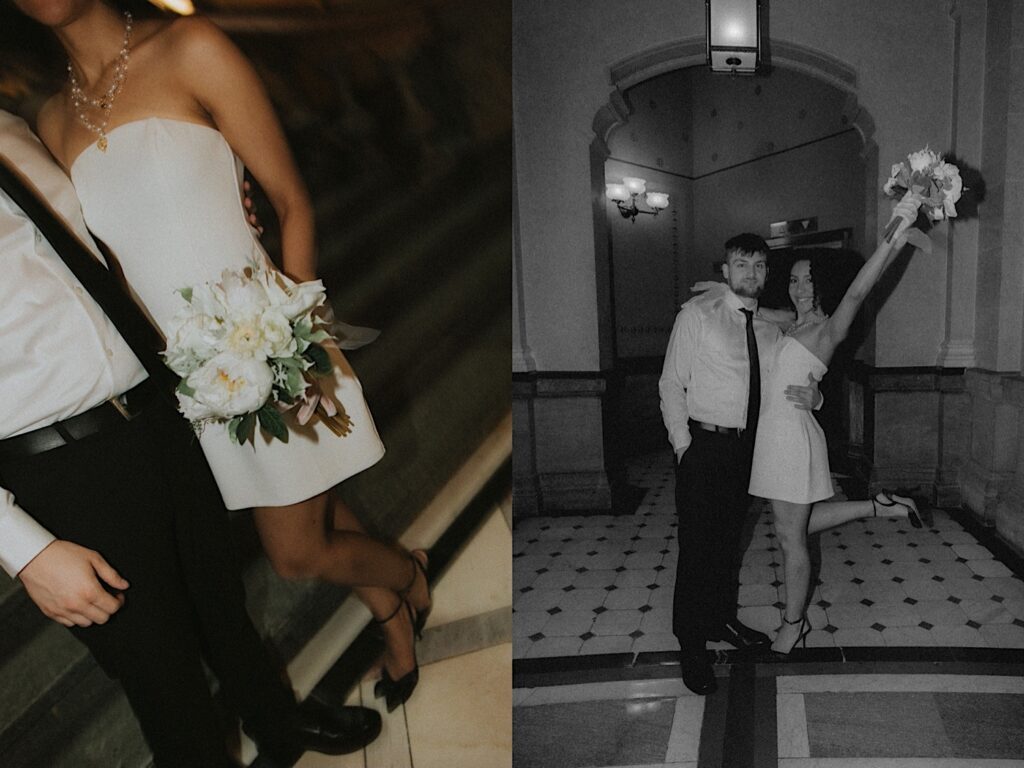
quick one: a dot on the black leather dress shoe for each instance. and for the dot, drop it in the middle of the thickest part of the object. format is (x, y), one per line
(326, 729)
(697, 672)
(739, 635)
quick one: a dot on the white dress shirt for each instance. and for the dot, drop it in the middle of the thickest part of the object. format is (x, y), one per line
(60, 354)
(706, 375)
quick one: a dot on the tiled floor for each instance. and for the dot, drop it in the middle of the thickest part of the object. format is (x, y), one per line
(915, 660)
(603, 584)
(460, 713)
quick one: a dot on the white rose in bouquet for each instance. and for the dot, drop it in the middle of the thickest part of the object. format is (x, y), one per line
(196, 340)
(224, 387)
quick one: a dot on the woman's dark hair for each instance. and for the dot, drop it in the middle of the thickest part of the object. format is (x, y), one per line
(832, 270)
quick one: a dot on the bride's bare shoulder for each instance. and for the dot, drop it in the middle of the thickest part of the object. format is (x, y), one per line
(49, 123)
(192, 39)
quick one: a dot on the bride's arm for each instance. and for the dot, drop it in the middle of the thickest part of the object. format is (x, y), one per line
(226, 86)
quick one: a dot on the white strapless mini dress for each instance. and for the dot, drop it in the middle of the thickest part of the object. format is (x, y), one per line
(166, 197)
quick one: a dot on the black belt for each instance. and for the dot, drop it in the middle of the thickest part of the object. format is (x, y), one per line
(116, 410)
(732, 431)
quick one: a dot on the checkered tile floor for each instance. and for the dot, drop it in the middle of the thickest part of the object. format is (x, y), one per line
(603, 584)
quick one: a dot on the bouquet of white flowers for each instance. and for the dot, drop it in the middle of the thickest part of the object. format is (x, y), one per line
(248, 350)
(927, 179)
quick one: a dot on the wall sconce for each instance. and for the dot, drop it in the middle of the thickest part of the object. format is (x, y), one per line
(624, 195)
(734, 36)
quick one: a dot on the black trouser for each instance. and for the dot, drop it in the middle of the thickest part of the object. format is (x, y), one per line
(142, 495)
(711, 504)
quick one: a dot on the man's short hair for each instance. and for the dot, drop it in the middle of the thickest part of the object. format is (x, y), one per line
(746, 243)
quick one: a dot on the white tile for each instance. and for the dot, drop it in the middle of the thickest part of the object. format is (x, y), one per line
(847, 616)
(1007, 587)
(791, 722)
(684, 739)
(618, 689)
(969, 589)
(651, 643)
(857, 636)
(986, 612)
(989, 568)
(463, 715)
(606, 644)
(624, 599)
(764, 618)
(1003, 635)
(553, 646)
(596, 579)
(758, 594)
(926, 590)
(617, 622)
(883, 591)
(940, 612)
(582, 599)
(535, 600)
(636, 578)
(526, 623)
(569, 624)
(907, 636)
(658, 621)
(972, 552)
(895, 614)
(956, 637)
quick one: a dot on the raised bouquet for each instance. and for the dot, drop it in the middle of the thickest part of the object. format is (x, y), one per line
(926, 178)
(249, 350)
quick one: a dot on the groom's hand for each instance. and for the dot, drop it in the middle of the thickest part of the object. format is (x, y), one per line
(804, 398)
(64, 581)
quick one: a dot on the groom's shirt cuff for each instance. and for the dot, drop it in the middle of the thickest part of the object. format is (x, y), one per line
(21, 537)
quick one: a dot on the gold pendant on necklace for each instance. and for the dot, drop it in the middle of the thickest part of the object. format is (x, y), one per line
(102, 143)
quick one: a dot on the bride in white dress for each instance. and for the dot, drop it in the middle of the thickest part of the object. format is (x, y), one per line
(154, 126)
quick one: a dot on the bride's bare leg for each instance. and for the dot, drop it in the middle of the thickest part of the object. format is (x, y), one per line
(300, 545)
(343, 519)
(829, 514)
(791, 530)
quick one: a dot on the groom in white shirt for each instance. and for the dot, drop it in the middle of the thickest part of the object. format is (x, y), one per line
(109, 515)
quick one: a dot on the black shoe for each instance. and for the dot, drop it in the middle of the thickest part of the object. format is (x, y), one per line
(697, 673)
(739, 635)
(327, 729)
(397, 692)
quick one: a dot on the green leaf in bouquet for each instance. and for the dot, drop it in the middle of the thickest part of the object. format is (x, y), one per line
(320, 359)
(185, 389)
(302, 330)
(233, 428)
(186, 294)
(246, 429)
(295, 382)
(319, 336)
(272, 422)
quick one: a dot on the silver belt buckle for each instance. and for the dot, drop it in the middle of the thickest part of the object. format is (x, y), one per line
(120, 404)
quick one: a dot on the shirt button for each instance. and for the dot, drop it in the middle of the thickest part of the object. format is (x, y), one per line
(78, 290)
(110, 352)
(39, 237)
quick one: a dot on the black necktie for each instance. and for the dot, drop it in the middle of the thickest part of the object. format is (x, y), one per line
(754, 393)
(133, 326)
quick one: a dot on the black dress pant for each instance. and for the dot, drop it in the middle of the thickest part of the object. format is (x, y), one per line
(142, 495)
(711, 505)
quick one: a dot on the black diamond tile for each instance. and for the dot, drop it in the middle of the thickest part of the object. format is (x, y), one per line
(645, 608)
(592, 553)
(659, 567)
(856, 580)
(524, 590)
(541, 570)
(830, 629)
(824, 604)
(610, 588)
(867, 602)
(602, 538)
(911, 544)
(977, 577)
(849, 562)
(545, 527)
(581, 569)
(569, 588)
(532, 541)
(653, 586)
(635, 538)
(600, 609)
(869, 533)
(537, 636)
(620, 569)
(636, 633)
(629, 552)
(997, 598)
(566, 541)
(877, 627)
(554, 611)
(876, 545)
(586, 636)
(778, 605)
(938, 578)
(954, 600)
(776, 583)
(973, 624)
(925, 625)
(664, 552)
(576, 527)
(887, 561)
(556, 554)
(1017, 623)
(923, 560)
(961, 560)
(842, 547)
(898, 579)
(910, 601)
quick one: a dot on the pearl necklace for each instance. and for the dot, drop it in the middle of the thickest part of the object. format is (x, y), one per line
(81, 100)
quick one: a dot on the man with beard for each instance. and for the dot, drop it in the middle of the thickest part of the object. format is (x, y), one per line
(719, 352)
